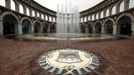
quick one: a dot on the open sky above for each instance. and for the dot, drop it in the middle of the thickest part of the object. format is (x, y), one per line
(82, 4)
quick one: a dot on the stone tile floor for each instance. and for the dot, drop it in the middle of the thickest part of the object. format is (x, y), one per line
(19, 57)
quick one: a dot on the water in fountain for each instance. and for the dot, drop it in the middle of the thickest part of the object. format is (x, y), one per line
(67, 21)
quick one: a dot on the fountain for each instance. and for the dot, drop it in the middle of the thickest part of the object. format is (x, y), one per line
(67, 21)
(67, 27)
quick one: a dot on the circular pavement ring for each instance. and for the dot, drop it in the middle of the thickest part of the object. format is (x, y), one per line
(69, 61)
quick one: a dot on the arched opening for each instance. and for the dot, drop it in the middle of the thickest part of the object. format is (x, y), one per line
(42, 16)
(9, 25)
(131, 3)
(85, 19)
(89, 18)
(93, 17)
(114, 10)
(97, 16)
(107, 12)
(28, 11)
(38, 15)
(2, 3)
(21, 9)
(108, 27)
(121, 6)
(26, 26)
(102, 14)
(50, 19)
(37, 27)
(52, 28)
(83, 28)
(98, 28)
(33, 13)
(124, 26)
(46, 18)
(90, 28)
(12, 5)
(45, 28)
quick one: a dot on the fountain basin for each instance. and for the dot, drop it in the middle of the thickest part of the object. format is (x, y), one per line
(77, 37)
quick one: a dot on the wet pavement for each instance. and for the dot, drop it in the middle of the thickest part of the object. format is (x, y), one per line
(20, 57)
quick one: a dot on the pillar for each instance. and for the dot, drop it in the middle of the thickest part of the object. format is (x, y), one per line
(126, 4)
(25, 10)
(99, 14)
(47, 18)
(20, 29)
(35, 13)
(115, 32)
(40, 15)
(1, 27)
(117, 8)
(133, 28)
(17, 7)
(32, 28)
(8, 4)
(30, 12)
(102, 29)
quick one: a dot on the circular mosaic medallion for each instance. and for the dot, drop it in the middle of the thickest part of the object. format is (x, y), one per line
(69, 61)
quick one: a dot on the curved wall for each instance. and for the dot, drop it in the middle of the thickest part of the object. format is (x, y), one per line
(112, 11)
(109, 14)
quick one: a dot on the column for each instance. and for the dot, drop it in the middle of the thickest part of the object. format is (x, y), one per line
(35, 13)
(47, 18)
(94, 29)
(20, 29)
(32, 28)
(110, 11)
(115, 29)
(39, 15)
(41, 29)
(133, 28)
(17, 7)
(102, 29)
(117, 8)
(126, 4)
(8, 4)
(1, 27)
(25, 10)
(30, 12)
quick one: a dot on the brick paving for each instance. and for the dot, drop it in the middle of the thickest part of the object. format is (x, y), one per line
(19, 57)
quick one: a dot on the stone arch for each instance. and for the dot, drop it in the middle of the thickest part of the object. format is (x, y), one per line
(98, 27)
(45, 27)
(89, 28)
(15, 25)
(37, 26)
(125, 14)
(26, 24)
(83, 27)
(108, 26)
(126, 24)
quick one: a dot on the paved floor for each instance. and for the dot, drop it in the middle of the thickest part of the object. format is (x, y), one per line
(19, 57)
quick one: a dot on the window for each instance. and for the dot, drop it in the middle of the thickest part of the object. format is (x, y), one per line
(122, 6)
(21, 9)
(12, 5)
(2, 3)
(102, 14)
(107, 12)
(114, 10)
(131, 3)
